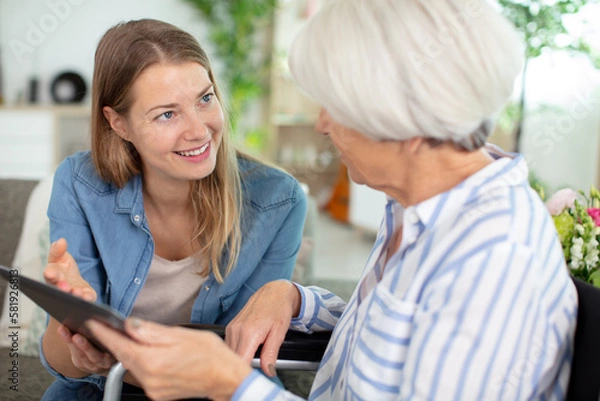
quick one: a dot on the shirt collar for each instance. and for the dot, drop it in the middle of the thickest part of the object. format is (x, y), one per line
(508, 169)
(129, 194)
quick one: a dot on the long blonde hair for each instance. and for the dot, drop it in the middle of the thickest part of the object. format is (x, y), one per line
(123, 53)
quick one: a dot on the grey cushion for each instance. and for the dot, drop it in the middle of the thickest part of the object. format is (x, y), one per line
(14, 195)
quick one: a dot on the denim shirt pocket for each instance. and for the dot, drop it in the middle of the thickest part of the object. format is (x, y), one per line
(227, 300)
(382, 341)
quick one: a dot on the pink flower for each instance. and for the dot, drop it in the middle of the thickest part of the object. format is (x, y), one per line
(594, 214)
(565, 198)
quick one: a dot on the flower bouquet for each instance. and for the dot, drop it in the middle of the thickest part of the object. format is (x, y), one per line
(577, 220)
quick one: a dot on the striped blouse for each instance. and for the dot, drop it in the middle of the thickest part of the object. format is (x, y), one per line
(476, 304)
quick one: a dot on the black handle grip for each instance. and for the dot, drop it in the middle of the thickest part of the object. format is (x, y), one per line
(296, 346)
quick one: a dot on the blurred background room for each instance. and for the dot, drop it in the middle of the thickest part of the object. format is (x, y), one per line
(46, 61)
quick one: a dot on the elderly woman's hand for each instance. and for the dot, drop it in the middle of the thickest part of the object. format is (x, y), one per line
(264, 320)
(173, 362)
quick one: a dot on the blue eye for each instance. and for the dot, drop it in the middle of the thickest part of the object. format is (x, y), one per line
(207, 98)
(167, 115)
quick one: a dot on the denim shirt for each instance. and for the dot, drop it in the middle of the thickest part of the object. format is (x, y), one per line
(108, 235)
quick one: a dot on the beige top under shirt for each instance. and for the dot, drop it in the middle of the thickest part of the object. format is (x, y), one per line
(170, 290)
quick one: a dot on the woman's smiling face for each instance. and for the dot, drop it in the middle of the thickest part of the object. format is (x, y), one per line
(175, 122)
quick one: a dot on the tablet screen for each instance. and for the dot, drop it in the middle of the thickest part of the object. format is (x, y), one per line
(68, 309)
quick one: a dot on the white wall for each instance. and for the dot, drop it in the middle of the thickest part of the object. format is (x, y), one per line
(45, 37)
(561, 133)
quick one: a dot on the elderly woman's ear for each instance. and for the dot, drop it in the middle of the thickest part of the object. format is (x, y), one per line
(415, 144)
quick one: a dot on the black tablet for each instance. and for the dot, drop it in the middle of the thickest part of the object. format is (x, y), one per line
(299, 351)
(68, 309)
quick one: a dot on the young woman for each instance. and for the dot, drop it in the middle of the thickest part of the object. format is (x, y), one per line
(163, 219)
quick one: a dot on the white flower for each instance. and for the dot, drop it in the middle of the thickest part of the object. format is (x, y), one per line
(577, 251)
(579, 228)
(593, 254)
(591, 258)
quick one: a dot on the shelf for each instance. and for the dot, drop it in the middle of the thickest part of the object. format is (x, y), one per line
(66, 109)
(35, 139)
(320, 181)
(294, 143)
(281, 119)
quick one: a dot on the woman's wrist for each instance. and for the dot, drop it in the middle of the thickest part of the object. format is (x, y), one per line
(292, 294)
(231, 380)
(296, 300)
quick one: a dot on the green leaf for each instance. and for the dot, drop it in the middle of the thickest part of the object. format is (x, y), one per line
(594, 278)
(565, 226)
(541, 21)
(233, 27)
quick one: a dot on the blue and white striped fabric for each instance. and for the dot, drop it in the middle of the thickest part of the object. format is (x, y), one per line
(476, 304)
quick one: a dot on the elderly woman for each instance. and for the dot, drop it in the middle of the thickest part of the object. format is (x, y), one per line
(466, 295)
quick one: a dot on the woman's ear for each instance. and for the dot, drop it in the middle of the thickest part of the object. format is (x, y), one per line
(116, 121)
(415, 143)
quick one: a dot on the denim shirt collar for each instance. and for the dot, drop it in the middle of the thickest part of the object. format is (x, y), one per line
(130, 200)
(130, 195)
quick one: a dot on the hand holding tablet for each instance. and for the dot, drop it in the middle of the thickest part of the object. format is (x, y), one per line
(302, 351)
(66, 308)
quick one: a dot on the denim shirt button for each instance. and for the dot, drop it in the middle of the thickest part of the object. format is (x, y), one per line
(137, 218)
(206, 287)
(137, 280)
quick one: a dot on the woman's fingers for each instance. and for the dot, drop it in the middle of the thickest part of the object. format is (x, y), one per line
(232, 337)
(85, 355)
(245, 333)
(57, 251)
(264, 320)
(84, 292)
(270, 339)
(62, 272)
(58, 263)
(97, 359)
(124, 348)
(54, 271)
(248, 344)
(174, 363)
(270, 351)
(147, 332)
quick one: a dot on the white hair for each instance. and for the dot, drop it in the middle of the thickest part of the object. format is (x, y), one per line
(397, 69)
